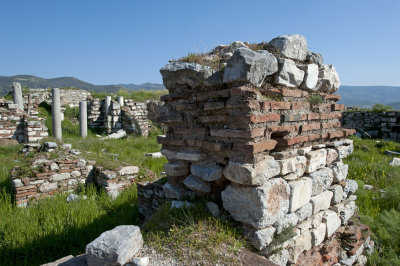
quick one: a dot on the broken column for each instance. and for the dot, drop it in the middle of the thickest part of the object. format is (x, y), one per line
(107, 115)
(83, 119)
(17, 95)
(261, 132)
(56, 113)
(121, 101)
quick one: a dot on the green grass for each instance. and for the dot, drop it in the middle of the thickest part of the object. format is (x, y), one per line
(381, 211)
(193, 236)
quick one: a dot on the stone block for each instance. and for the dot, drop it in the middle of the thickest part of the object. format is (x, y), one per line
(289, 219)
(316, 159)
(291, 46)
(177, 168)
(304, 212)
(332, 221)
(129, 170)
(287, 165)
(196, 184)
(59, 177)
(260, 239)
(258, 206)
(337, 193)
(206, 172)
(322, 201)
(47, 186)
(193, 156)
(332, 155)
(115, 247)
(321, 180)
(318, 234)
(340, 171)
(345, 151)
(289, 75)
(300, 193)
(252, 174)
(303, 242)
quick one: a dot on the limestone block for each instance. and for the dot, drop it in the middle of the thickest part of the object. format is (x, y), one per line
(350, 187)
(315, 58)
(332, 221)
(289, 75)
(59, 177)
(322, 201)
(206, 172)
(143, 261)
(129, 170)
(213, 208)
(178, 168)
(316, 159)
(47, 186)
(303, 242)
(173, 192)
(300, 193)
(280, 258)
(300, 165)
(304, 212)
(345, 150)
(287, 165)
(291, 46)
(170, 155)
(17, 183)
(250, 66)
(258, 206)
(340, 171)
(318, 234)
(321, 180)
(260, 239)
(328, 79)
(54, 167)
(395, 162)
(332, 155)
(337, 193)
(252, 174)
(115, 247)
(310, 77)
(196, 184)
(287, 220)
(75, 174)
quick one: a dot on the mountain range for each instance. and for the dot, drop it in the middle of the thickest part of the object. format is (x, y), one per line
(37, 82)
(361, 96)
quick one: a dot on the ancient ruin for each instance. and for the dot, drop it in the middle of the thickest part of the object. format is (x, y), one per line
(257, 126)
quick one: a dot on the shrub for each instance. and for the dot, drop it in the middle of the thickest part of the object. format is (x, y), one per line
(379, 108)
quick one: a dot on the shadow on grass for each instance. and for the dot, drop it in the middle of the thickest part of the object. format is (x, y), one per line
(71, 242)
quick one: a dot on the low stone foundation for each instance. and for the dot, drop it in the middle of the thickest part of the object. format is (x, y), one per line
(150, 196)
(384, 125)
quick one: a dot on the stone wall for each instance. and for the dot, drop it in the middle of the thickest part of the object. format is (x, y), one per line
(132, 117)
(70, 97)
(150, 196)
(262, 134)
(18, 127)
(385, 125)
(47, 176)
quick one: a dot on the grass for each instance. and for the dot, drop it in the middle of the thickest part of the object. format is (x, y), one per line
(193, 236)
(379, 208)
(214, 61)
(137, 96)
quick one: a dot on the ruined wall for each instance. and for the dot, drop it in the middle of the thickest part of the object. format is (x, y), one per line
(261, 133)
(48, 176)
(385, 125)
(70, 97)
(132, 117)
(16, 126)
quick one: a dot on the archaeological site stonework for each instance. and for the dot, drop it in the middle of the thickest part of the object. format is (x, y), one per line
(257, 127)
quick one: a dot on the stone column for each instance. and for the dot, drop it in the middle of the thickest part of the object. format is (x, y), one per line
(83, 119)
(56, 113)
(29, 104)
(107, 105)
(121, 100)
(17, 95)
(107, 112)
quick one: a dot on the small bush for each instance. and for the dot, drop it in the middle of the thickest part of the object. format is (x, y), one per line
(315, 99)
(379, 108)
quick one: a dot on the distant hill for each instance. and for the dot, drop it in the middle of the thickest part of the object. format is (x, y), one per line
(367, 96)
(37, 82)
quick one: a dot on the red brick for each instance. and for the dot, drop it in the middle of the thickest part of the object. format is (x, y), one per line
(336, 134)
(234, 133)
(266, 106)
(295, 140)
(337, 107)
(312, 137)
(324, 108)
(185, 107)
(214, 105)
(334, 97)
(43, 174)
(170, 141)
(212, 95)
(256, 147)
(281, 129)
(65, 171)
(300, 105)
(22, 195)
(25, 188)
(247, 104)
(349, 132)
(330, 125)
(324, 135)
(292, 93)
(280, 105)
(196, 131)
(243, 90)
(331, 116)
(309, 127)
(259, 118)
(213, 119)
(313, 116)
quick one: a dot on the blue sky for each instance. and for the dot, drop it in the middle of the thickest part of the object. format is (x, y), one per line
(121, 41)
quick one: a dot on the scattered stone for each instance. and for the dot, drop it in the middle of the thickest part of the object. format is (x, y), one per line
(115, 247)
(143, 261)
(117, 135)
(154, 155)
(251, 66)
(213, 208)
(75, 152)
(395, 162)
(72, 197)
(66, 146)
(392, 153)
(368, 187)
(291, 46)
(17, 183)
